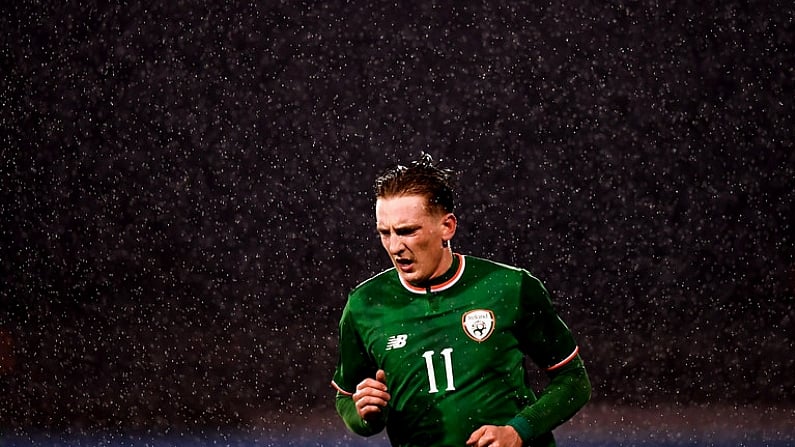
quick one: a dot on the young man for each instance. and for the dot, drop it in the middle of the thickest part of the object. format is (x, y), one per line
(433, 348)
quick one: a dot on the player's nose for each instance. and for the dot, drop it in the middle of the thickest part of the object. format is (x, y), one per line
(395, 245)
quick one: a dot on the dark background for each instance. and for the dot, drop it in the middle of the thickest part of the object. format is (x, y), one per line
(186, 193)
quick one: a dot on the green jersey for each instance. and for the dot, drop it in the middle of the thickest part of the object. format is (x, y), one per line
(453, 353)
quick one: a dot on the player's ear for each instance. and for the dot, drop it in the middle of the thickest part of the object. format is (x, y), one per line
(449, 225)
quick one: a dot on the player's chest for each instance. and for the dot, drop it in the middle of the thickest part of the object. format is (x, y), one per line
(438, 323)
(430, 350)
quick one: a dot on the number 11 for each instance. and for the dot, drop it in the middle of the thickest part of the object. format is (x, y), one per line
(448, 369)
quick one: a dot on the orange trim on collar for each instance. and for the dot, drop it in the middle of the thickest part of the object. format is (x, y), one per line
(437, 287)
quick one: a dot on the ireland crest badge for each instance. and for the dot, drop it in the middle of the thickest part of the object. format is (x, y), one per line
(478, 324)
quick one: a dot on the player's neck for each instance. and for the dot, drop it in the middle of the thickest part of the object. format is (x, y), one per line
(449, 266)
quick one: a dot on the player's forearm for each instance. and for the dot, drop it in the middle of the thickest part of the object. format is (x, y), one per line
(347, 411)
(567, 392)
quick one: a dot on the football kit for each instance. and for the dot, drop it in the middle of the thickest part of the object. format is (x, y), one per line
(453, 353)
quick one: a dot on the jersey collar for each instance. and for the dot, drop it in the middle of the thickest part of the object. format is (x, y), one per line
(444, 282)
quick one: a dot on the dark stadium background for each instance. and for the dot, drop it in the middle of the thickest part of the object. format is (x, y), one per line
(185, 198)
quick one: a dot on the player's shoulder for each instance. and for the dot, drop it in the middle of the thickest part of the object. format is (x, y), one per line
(488, 265)
(375, 284)
(500, 271)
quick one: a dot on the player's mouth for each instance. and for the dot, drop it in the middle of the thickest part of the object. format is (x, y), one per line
(404, 264)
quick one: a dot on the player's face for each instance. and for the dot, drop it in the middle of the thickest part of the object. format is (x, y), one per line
(413, 235)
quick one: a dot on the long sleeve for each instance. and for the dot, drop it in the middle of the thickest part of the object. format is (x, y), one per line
(354, 364)
(354, 422)
(568, 391)
(551, 345)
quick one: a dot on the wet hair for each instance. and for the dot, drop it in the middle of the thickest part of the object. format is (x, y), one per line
(422, 177)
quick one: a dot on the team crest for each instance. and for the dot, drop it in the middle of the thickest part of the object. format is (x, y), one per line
(478, 324)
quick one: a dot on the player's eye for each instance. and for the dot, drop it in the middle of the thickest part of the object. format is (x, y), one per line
(405, 231)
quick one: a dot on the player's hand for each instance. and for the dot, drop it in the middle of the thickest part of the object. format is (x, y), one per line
(371, 395)
(495, 436)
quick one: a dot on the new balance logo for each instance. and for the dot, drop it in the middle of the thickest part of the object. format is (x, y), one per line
(396, 342)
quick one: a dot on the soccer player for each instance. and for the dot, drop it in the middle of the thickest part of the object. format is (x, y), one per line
(433, 349)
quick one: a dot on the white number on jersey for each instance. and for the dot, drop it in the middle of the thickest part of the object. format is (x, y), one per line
(448, 369)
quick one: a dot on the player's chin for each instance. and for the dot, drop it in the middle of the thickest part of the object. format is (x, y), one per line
(411, 277)
(418, 283)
